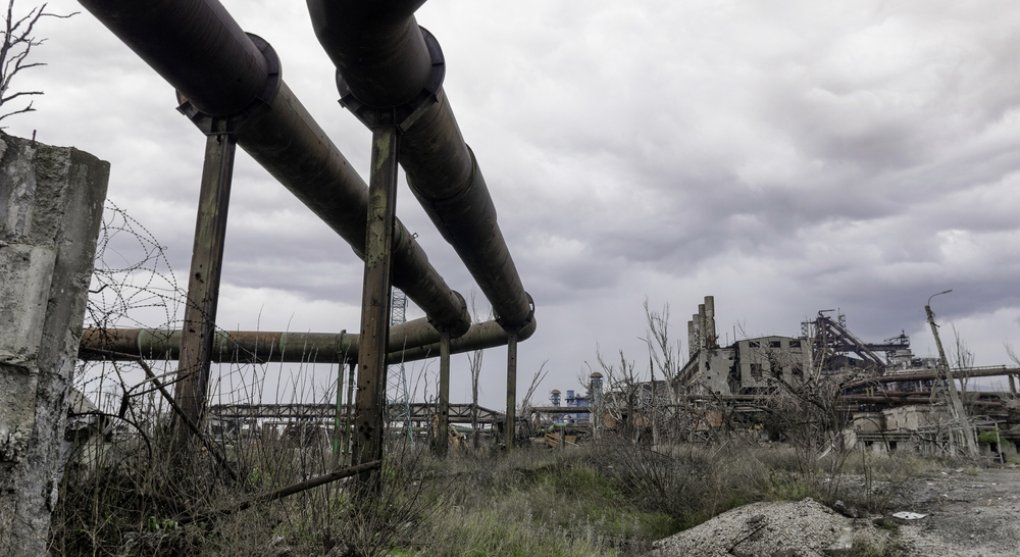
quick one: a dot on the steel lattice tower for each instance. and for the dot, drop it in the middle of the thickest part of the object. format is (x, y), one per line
(398, 395)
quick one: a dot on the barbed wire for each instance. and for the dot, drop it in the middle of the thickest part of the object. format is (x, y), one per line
(133, 285)
(132, 273)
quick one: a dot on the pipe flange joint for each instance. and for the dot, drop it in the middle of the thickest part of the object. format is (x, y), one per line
(216, 125)
(403, 116)
(517, 327)
(458, 328)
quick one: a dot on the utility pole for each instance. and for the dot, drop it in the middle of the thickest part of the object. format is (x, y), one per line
(956, 405)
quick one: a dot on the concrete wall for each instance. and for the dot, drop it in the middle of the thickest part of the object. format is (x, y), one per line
(718, 369)
(914, 418)
(51, 202)
(763, 358)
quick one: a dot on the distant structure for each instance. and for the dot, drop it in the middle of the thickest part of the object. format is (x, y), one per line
(747, 366)
(826, 346)
(574, 399)
(399, 392)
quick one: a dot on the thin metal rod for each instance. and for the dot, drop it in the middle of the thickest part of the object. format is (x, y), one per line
(204, 280)
(511, 392)
(287, 491)
(442, 440)
(338, 437)
(349, 424)
(375, 306)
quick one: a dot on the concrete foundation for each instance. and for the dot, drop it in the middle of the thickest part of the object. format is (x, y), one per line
(51, 204)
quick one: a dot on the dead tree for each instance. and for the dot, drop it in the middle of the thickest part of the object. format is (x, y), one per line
(18, 41)
(536, 380)
(664, 354)
(622, 398)
(475, 365)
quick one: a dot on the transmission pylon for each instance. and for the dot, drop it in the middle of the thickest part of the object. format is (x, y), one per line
(398, 396)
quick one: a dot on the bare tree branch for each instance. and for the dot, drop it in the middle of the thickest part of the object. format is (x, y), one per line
(536, 380)
(18, 41)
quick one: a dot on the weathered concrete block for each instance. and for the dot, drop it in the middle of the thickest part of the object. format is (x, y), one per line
(51, 204)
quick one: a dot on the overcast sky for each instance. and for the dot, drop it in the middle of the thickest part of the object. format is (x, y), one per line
(784, 156)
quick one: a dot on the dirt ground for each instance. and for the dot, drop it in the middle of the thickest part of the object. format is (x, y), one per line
(969, 512)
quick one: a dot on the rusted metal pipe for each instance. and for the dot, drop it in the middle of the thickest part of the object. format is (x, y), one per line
(934, 375)
(408, 342)
(385, 60)
(193, 44)
(382, 36)
(200, 50)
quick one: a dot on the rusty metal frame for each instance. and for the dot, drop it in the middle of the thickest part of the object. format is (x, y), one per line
(204, 279)
(391, 74)
(370, 419)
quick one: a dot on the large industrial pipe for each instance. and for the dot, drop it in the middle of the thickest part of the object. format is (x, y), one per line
(382, 56)
(197, 47)
(193, 44)
(411, 341)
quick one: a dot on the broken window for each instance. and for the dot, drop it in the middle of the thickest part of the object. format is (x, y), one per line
(775, 344)
(794, 344)
(756, 371)
(753, 344)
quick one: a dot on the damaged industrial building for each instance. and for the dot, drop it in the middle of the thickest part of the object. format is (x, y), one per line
(890, 398)
(885, 397)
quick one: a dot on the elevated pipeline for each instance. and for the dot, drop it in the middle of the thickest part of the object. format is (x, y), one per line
(382, 57)
(411, 341)
(197, 47)
(933, 375)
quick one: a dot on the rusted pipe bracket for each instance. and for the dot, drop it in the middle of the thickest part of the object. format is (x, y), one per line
(214, 125)
(405, 115)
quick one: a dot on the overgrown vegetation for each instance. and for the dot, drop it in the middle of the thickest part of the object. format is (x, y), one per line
(608, 498)
(657, 463)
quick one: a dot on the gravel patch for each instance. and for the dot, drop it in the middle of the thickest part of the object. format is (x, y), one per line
(786, 529)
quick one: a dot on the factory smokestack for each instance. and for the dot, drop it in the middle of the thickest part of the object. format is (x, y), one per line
(703, 339)
(711, 340)
(696, 338)
(691, 340)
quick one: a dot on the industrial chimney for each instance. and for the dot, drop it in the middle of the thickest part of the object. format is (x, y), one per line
(711, 340)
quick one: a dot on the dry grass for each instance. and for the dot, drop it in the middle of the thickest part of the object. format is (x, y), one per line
(613, 498)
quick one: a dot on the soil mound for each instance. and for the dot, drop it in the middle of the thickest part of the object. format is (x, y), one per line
(787, 529)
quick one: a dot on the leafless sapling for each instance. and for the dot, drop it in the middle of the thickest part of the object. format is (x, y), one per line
(18, 41)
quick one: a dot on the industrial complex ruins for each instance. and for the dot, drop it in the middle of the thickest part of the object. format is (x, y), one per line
(826, 383)
(891, 398)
